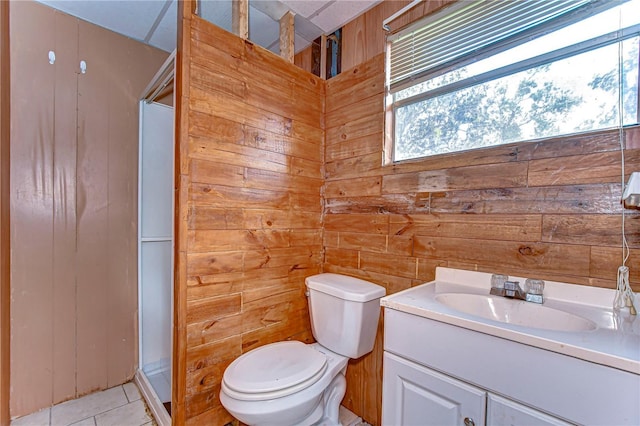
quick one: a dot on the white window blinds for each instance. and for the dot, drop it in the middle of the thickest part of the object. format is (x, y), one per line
(464, 29)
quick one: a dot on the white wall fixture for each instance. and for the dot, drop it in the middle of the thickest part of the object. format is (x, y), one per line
(52, 57)
(631, 196)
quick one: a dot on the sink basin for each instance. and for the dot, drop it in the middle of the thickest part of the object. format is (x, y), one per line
(513, 311)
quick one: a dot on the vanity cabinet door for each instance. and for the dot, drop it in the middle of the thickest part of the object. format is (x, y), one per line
(413, 395)
(502, 411)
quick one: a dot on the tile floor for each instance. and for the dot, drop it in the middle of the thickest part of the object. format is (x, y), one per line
(347, 418)
(119, 406)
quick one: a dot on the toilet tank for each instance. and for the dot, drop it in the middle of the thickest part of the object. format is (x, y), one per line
(344, 313)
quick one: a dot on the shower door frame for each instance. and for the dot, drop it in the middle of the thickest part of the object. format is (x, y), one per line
(158, 85)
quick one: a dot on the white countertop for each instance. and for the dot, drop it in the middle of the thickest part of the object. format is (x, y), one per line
(614, 342)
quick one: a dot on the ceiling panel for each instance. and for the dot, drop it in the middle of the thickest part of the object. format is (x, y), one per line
(301, 41)
(155, 21)
(306, 29)
(164, 36)
(217, 12)
(133, 18)
(346, 10)
(263, 30)
(307, 8)
(273, 8)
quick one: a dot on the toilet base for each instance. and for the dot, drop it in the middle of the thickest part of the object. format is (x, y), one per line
(331, 401)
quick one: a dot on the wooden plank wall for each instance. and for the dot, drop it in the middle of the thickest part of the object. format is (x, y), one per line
(5, 256)
(249, 207)
(548, 209)
(74, 147)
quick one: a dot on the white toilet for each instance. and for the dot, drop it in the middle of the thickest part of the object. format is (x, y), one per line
(291, 383)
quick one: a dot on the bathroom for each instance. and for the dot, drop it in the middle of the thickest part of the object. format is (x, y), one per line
(297, 186)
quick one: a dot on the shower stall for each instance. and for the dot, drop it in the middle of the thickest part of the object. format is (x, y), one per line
(155, 242)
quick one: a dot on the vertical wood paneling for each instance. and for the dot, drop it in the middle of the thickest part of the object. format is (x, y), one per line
(250, 153)
(32, 132)
(5, 228)
(353, 396)
(64, 209)
(74, 168)
(372, 372)
(133, 64)
(93, 211)
(123, 169)
(376, 35)
(304, 59)
(183, 122)
(354, 42)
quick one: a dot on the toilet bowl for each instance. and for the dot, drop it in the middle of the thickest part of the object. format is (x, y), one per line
(292, 383)
(292, 398)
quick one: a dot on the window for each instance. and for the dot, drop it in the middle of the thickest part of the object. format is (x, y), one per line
(486, 73)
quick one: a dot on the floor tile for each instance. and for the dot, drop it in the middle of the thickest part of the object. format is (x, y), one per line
(132, 392)
(348, 418)
(39, 418)
(86, 422)
(133, 414)
(78, 409)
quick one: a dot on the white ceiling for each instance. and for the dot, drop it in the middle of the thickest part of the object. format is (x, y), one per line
(154, 21)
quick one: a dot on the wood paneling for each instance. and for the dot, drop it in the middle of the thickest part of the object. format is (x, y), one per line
(255, 224)
(354, 42)
(92, 226)
(526, 227)
(251, 174)
(585, 168)
(182, 221)
(548, 209)
(5, 256)
(31, 209)
(304, 59)
(507, 175)
(73, 162)
(64, 208)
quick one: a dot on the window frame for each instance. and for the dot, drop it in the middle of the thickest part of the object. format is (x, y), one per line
(581, 13)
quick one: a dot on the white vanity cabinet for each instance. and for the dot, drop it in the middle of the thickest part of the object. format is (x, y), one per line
(503, 411)
(435, 373)
(417, 395)
(456, 355)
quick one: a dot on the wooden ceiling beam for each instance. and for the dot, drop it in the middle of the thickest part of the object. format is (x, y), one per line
(287, 36)
(240, 18)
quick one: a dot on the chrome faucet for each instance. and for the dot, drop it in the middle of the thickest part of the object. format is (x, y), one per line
(512, 289)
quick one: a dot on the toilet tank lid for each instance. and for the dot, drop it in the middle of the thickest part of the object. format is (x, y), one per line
(345, 287)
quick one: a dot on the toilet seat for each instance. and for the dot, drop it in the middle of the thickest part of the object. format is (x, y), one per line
(274, 371)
